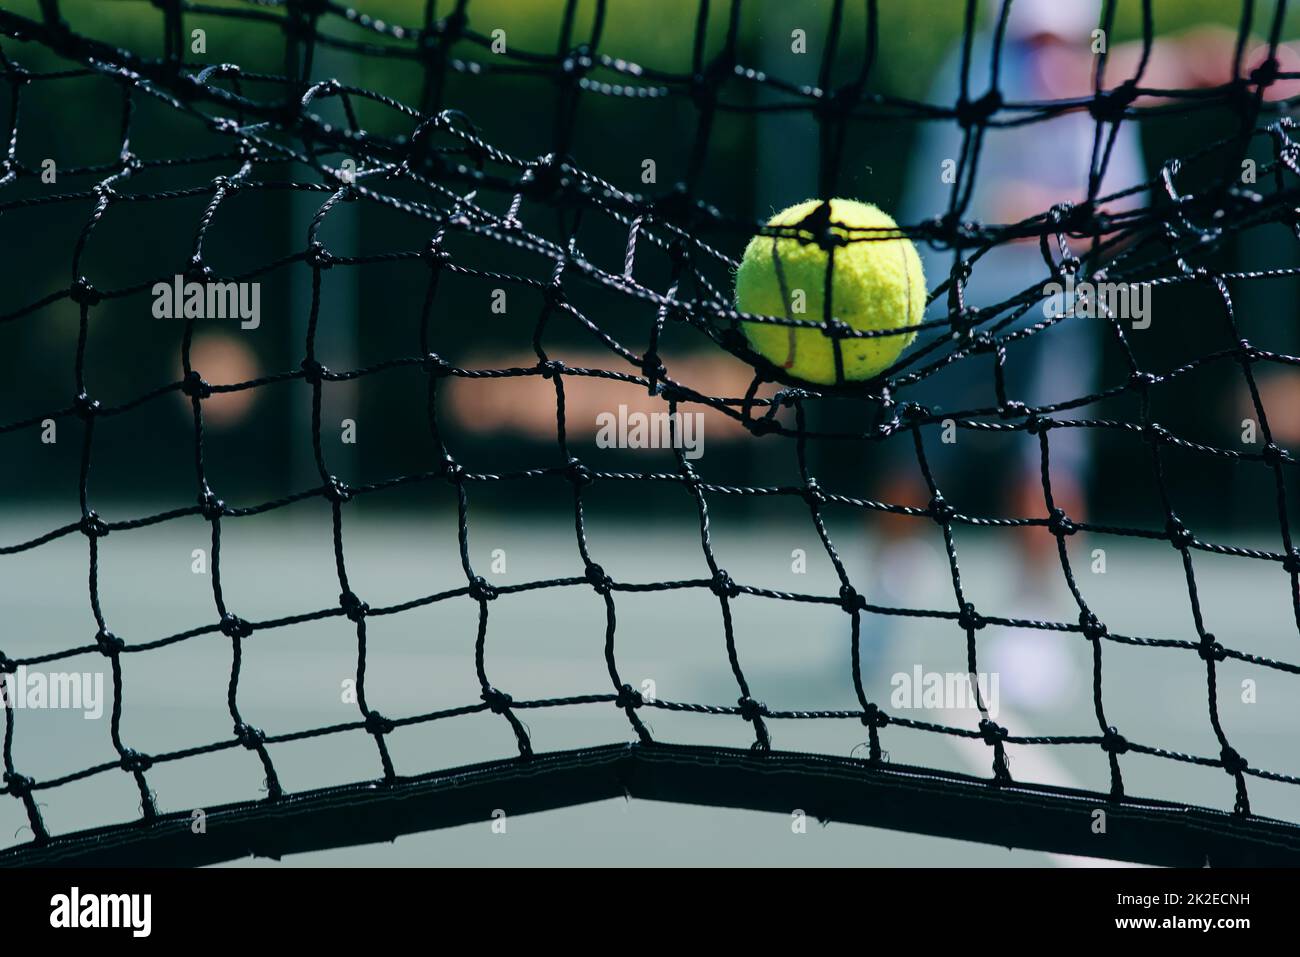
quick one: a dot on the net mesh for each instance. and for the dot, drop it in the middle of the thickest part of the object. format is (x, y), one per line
(439, 170)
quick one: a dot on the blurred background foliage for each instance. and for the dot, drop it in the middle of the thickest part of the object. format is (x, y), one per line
(260, 450)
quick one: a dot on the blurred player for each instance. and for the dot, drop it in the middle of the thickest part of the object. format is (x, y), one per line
(1024, 171)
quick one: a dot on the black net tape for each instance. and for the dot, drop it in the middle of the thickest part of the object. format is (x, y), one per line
(436, 172)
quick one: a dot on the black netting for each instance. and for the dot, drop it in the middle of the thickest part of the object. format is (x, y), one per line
(441, 173)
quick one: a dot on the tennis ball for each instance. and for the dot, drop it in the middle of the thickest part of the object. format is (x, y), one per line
(876, 284)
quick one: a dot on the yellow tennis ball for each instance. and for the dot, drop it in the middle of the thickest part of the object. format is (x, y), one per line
(877, 284)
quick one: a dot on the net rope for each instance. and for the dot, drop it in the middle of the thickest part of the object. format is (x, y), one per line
(435, 172)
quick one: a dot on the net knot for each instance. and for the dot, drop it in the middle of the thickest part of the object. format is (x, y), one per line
(940, 510)
(579, 474)
(7, 665)
(629, 698)
(17, 75)
(1141, 381)
(1291, 561)
(318, 256)
(972, 112)
(818, 223)
(873, 717)
(1013, 409)
(835, 328)
(92, 526)
(498, 702)
(1179, 534)
(1060, 525)
(1072, 217)
(194, 386)
(1034, 423)
(313, 371)
(434, 254)
(723, 586)
(1273, 454)
(913, 412)
(763, 425)
(546, 179)
(813, 494)
(436, 366)
(1111, 106)
(1266, 73)
(377, 724)
(232, 626)
(962, 321)
(197, 271)
(992, 732)
(353, 607)
(210, 505)
(1113, 742)
(450, 26)
(1233, 762)
(598, 579)
(969, 619)
(1210, 649)
(480, 589)
(1091, 626)
(337, 491)
(653, 368)
(851, 600)
(670, 392)
(85, 294)
(453, 472)
(248, 736)
(578, 62)
(553, 296)
(750, 709)
(108, 643)
(551, 368)
(135, 762)
(19, 785)
(981, 341)
(348, 192)
(85, 406)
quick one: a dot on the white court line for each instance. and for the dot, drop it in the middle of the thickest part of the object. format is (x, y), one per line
(1034, 765)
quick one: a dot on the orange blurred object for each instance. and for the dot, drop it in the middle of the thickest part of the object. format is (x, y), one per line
(525, 405)
(224, 360)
